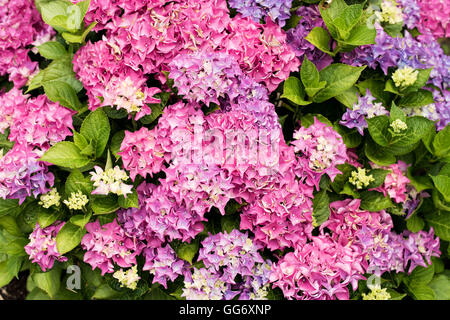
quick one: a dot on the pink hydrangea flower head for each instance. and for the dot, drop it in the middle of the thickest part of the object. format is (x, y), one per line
(42, 246)
(320, 149)
(319, 270)
(261, 50)
(20, 26)
(151, 40)
(40, 122)
(108, 245)
(346, 219)
(435, 16)
(94, 65)
(282, 217)
(199, 186)
(396, 183)
(142, 153)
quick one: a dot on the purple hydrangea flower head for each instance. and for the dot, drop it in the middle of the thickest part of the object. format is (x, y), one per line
(364, 109)
(277, 10)
(420, 247)
(22, 175)
(42, 246)
(164, 264)
(411, 13)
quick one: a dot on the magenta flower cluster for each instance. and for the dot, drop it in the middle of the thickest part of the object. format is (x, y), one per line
(20, 26)
(42, 246)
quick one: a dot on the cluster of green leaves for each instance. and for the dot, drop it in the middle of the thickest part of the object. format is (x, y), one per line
(349, 25)
(315, 87)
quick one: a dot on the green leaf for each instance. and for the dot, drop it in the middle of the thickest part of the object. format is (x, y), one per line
(361, 35)
(48, 281)
(396, 114)
(80, 220)
(157, 110)
(378, 129)
(379, 175)
(60, 70)
(351, 137)
(440, 221)
(442, 184)
(341, 179)
(9, 224)
(421, 291)
(321, 208)
(441, 143)
(441, 287)
(339, 78)
(186, 251)
(376, 88)
(79, 140)
(65, 154)
(416, 99)
(310, 78)
(390, 87)
(415, 223)
(116, 142)
(104, 291)
(76, 181)
(96, 128)
(320, 38)
(374, 201)
(104, 204)
(395, 295)
(422, 78)
(52, 9)
(62, 92)
(52, 50)
(421, 275)
(347, 20)
(131, 201)
(294, 91)
(69, 237)
(9, 206)
(158, 294)
(348, 98)
(47, 216)
(5, 275)
(308, 119)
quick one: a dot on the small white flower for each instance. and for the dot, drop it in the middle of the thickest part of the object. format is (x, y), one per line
(77, 201)
(398, 126)
(405, 77)
(128, 278)
(50, 198)
(390, 13)
(360, 179)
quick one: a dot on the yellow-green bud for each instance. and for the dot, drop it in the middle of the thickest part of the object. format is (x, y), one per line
(405, 77)
(77, 201)
(50, 198)
(398, 126)
(360, 179)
